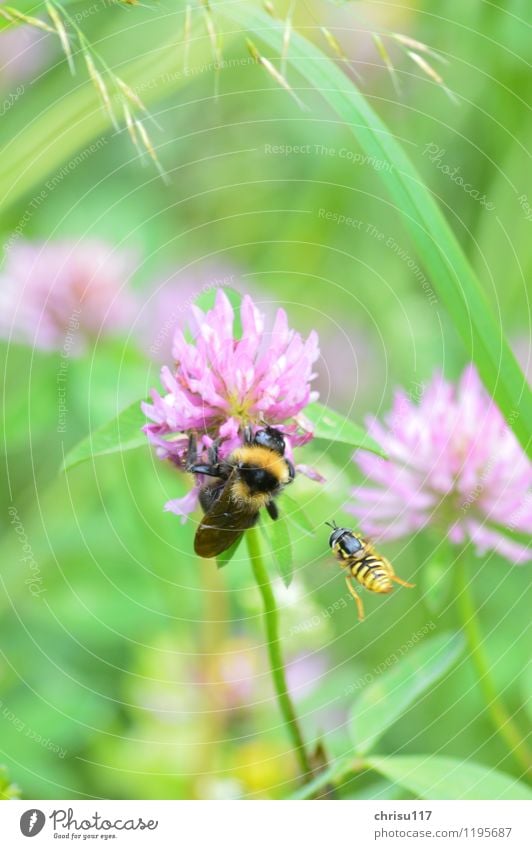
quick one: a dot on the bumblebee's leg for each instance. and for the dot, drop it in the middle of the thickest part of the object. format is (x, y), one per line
(360, 606)
(209, 495)
(192, 451)
(213, 453)
(192, 464)
(203, 469)
(221, 470)
(272, 509)
(393, 577)
(291, 470)
(214, 468)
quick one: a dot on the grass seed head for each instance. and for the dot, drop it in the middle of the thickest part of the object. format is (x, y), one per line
(62, 33)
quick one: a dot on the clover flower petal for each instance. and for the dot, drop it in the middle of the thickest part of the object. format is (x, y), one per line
(453, 463)
(64, 293)
(221, 384)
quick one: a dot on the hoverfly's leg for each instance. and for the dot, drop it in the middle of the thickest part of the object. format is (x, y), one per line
(272, 509)
(291, 470)
(192, 451)
(360, 606)
(393, 577)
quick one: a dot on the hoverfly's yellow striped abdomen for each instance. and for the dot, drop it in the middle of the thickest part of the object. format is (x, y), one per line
(372, 574)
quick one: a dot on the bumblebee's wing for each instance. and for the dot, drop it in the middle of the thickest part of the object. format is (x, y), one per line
(222, 525)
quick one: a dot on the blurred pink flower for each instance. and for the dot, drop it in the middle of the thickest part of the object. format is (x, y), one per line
(60, 294)
(453, 463)
(22, 53)
(305, 673)
(348, 342)
(168, 304)
(220, 384)
(236, 668)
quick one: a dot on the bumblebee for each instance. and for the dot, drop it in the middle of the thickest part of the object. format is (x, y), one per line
(247, 481)
(363, 563)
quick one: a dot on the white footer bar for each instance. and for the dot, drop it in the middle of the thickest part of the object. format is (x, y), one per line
(266, 825)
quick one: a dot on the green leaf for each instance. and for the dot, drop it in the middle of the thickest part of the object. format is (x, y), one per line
(278, 535)
(294, 513)
(122, 433)
(432, 777)
(7, 790)
(438, 248)
(385, 700)
(335, 427)
(227, 555)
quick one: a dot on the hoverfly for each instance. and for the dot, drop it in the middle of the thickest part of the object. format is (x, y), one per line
(363, 563)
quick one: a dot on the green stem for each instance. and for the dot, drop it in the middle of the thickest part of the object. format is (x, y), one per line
(501, 719)
(271, 619)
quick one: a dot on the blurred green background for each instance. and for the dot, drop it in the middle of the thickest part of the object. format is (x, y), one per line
(138, 671)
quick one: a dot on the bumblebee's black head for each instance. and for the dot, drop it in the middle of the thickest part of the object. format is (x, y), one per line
(260, 464)
(344, 539)
(270, 438)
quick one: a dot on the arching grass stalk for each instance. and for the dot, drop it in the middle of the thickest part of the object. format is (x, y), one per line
(277, 667)
(502, 721)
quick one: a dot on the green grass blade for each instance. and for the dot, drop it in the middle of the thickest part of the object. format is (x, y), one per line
(69, 125)
(63, 128)
(437, 247)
